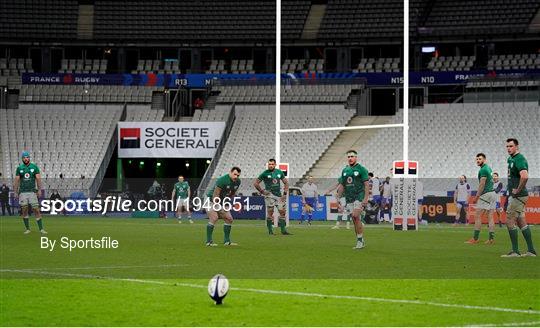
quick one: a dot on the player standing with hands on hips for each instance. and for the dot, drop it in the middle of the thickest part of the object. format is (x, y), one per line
(354, 182)
(26, 177)
(272, 179)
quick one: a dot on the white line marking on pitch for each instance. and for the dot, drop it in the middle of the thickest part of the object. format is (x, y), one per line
(280, 292)
(508, 324)
(113, 267)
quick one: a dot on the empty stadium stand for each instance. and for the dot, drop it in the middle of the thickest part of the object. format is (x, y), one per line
(484, 17)
(293, 17)
(189, 20)
(514, 61)
(156, 66)
(332, 93)
(354, 20)
(143, 113)
(38, 19)
(86, 93)
(303, 66)
(219, 113)
(451, 63)
(15, 66)
(378, 65)
(94, 66)
(69, 139)
(450, 132)
(236, 66)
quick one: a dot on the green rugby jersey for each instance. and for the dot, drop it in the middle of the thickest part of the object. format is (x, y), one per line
(272, 181)
(181, 189)
(227, 185)
(485, 171)
(352, 178)
(27, 173)
(516, 164)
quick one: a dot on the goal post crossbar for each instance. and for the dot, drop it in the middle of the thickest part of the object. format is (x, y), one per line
(342, 128)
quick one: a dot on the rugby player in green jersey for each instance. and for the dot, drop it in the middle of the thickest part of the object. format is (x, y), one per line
(180, 196)
(221, 199)
(354, 184)
(485, 201)
(518, 174)
(26, 177)
(272, 178)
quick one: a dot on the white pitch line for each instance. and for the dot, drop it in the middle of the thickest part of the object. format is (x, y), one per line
(112, 267)
(508, 324)
(281, 292)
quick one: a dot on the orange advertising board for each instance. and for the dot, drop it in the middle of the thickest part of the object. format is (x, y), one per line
(532, 211)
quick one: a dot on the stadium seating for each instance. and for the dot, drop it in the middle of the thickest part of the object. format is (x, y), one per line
(37, 19)
(143, 113)
(252, 142)
(485, 17)
(156, 66)
(352, 19)
(236, 66)
(451, 63)
(293, 17)
(452, 135)
(378, 65)
(303, 66)
(514, 61)
(15, 66)
(190, 20)
(94, 66)
(86, 93)
(289, 93)
(67, 139)
(219, 114)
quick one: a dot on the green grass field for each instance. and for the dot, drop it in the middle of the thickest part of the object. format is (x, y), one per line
(159, 273)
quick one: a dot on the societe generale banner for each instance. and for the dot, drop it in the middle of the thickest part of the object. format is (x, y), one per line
(169, 139)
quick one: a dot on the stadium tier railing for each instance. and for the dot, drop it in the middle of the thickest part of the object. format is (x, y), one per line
(94, 187)
(213, 164)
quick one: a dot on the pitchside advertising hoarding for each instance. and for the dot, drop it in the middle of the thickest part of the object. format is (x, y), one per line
(296, 207)
(169, 139)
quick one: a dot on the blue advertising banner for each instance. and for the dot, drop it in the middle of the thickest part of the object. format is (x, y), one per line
(255, 210)
(295, 208)
(202, 80)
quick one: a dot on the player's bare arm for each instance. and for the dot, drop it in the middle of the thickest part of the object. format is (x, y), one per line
(332, 189)
(257, 185)
(523, 177)
(366, 194)
(16, 185)
(217, 192)
(339, 190)
(285, 188)
(38, 181)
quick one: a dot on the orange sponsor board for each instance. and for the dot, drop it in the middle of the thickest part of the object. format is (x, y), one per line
(532, 211)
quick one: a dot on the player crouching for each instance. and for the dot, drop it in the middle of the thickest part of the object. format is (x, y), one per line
(223, 191)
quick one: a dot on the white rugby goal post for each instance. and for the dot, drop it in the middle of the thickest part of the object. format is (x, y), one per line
(402, 183)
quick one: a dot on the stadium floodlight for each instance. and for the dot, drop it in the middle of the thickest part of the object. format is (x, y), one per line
(404, 125)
